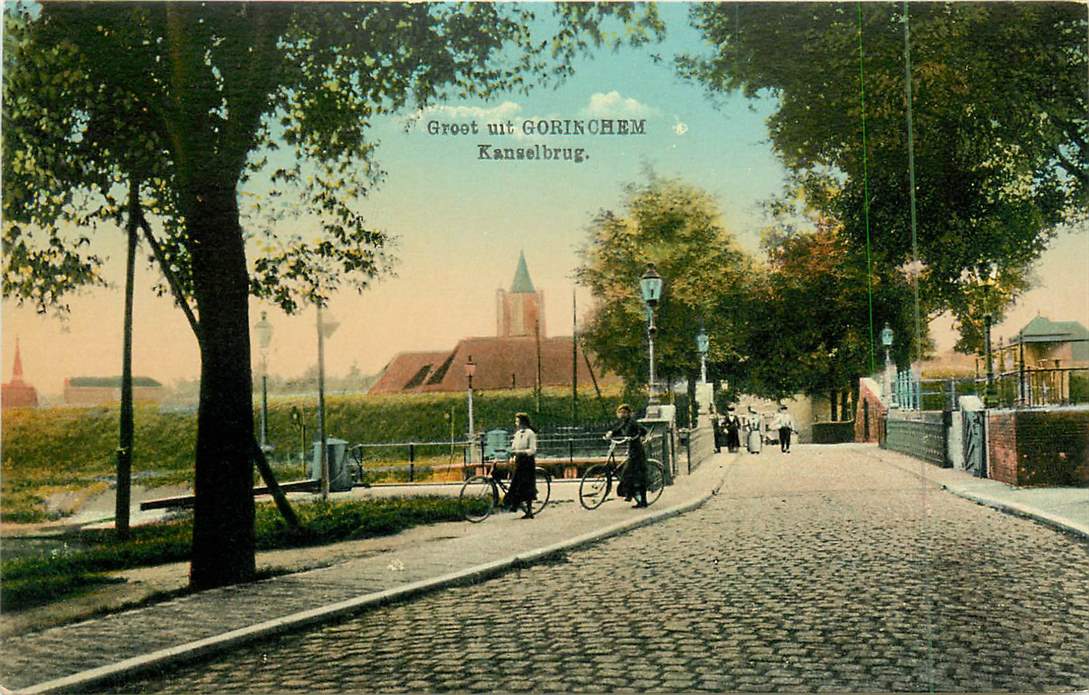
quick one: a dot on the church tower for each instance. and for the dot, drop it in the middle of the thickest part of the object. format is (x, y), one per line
(519, 310)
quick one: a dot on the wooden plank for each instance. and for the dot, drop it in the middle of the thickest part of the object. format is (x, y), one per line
(188, 500)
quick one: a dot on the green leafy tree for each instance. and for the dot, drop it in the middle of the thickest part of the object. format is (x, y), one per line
(243, 128)
(999, 111)
(809, 320)
(705, 273)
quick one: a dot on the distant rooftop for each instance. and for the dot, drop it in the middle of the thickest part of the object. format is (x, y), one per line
(1042, 330)
(110, 382)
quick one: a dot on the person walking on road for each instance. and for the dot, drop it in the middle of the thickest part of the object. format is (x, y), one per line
(633, 484)
(785, 422)
(755, 426)
(733, 431)
(523, 485)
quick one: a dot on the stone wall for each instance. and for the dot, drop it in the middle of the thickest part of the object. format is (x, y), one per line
(868, 411)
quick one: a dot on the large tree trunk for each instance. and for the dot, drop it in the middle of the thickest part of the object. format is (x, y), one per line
(223, 518)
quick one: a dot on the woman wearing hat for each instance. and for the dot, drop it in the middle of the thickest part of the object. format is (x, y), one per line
(523, 485)
(633, 484)
(733, 431)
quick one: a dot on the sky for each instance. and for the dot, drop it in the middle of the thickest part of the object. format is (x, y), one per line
(461, 223)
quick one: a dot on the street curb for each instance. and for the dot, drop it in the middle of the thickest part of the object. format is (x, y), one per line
(1059, 523)
(210, 645)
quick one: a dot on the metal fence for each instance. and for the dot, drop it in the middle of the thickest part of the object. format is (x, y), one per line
(1028, 387)
(564, 449)
(922, 435)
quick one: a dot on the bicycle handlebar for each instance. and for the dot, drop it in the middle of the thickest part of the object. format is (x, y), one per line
(618, 440)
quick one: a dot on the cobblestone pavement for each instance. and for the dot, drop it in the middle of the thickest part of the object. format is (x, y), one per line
(821, 570)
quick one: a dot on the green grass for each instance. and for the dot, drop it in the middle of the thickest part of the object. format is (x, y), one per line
(54, 449)
(81, 563)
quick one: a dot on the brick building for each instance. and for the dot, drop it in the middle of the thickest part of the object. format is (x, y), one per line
(17, 393)
(101, 390)
(513, 358)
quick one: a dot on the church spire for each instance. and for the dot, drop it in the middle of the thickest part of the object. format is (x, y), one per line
(522, 284)
(17, 369)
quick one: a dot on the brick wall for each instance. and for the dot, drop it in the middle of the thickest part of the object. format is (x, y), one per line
(1039, 447)
(1002, 446)
(869, 406)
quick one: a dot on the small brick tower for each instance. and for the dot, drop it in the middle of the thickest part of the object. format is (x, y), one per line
(519, 310)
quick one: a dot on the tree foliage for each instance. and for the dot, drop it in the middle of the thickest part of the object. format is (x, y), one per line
(244, 126)
(705, 273)
(809, 326)
(999, 112)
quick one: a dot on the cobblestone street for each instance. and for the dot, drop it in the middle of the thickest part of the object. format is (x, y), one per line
(825, 569)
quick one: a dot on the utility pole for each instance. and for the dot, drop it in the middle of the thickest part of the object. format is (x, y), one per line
(324, 454)
(574, 360)
(127, 427)
(537, 333)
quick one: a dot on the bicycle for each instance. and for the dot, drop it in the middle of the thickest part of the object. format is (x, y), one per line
(480, 494)
(356, 470)
(597, 482)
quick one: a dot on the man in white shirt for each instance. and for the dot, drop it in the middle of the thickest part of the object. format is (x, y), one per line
(785, 423)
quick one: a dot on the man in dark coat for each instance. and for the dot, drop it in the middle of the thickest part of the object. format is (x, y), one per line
(633, 483)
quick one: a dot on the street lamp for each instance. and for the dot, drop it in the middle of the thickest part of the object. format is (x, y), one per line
(470, 370)
(650, 286)
(886, 342)
(703, 344)
(989, 273)
(325, 330)
(263, 330)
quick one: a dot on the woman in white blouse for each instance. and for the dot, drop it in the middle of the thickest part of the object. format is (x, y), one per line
(523, 486)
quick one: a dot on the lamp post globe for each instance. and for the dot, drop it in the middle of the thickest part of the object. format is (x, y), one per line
(886, 336)
(650, 287)
(886, 342)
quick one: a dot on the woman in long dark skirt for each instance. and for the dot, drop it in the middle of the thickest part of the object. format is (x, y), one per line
(523, 485)
(733, 431)
(633, 483)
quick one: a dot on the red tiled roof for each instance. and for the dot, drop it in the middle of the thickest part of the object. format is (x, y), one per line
(404, 367)
(502, 363)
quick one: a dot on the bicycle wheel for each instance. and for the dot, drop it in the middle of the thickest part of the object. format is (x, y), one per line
(655, 480)
(355, 466)
(544, 489)
(595, 486)
(478, 497)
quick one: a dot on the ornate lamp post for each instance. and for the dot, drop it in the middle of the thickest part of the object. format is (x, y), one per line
(263, 331)
(650, 286)
(886, 383)
(990, 279)
(703, 344)
(470, 370)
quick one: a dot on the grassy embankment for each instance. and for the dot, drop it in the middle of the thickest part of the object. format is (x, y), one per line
(58, 450)
(86, 557)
